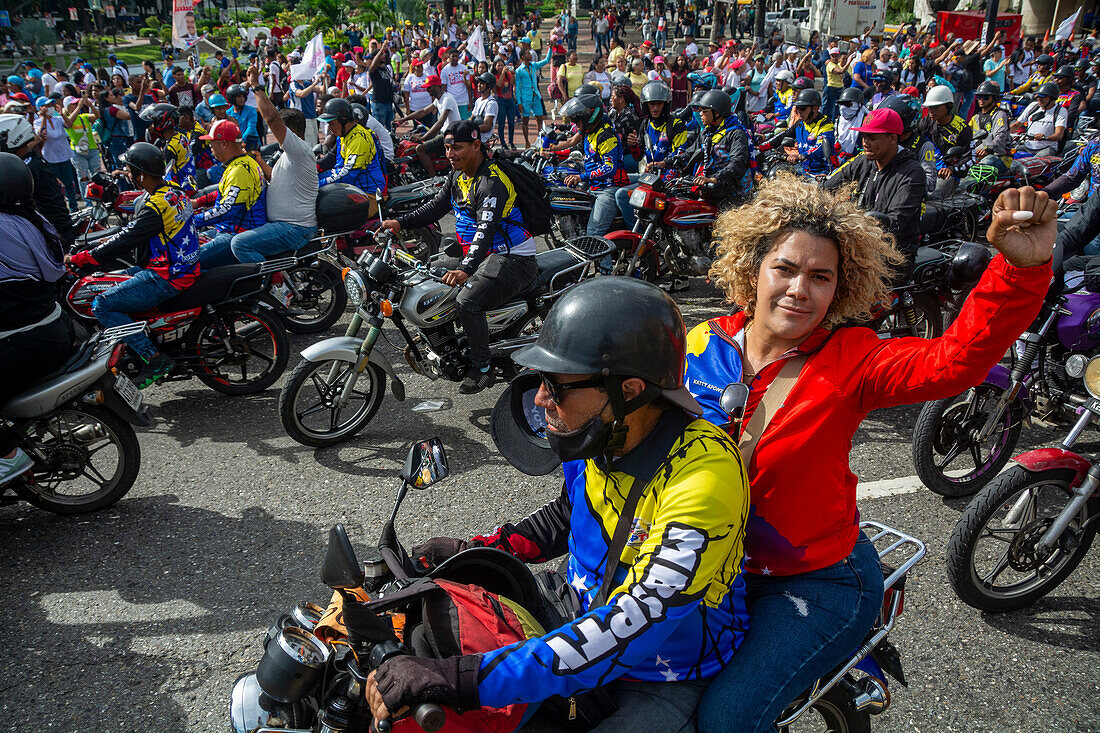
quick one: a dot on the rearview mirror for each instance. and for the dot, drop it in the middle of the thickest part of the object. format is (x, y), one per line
(341, 569)
(451, 247)
(733, 400)
(956, 152)
(426, 464)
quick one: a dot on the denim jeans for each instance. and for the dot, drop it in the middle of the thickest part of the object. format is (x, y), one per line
(622, 200)
(604, 209)
(800, 627)
(67, 175)
(643, 706)
(828, 102)
(86, 164)
(383, 112)
(507, 115)
(659, 43)
(966, 101)
(255, 245)
(142, 292)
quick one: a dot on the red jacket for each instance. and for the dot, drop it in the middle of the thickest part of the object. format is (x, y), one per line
(803, 493)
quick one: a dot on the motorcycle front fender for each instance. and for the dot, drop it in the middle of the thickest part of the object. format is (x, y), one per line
(624, 241)
(346, 348)
(1046, 459)
(999, 376)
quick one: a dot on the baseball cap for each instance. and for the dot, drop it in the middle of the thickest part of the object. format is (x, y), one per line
(217, 100)
(463, 131)
(416, 62)
(433, 81)
(792, 49)
(349, 64)
(882, 120)
(658, 59)
(42, 102)
(207, 88)
(225, 130)
(69, 100)
(834, 50)
(294, 55)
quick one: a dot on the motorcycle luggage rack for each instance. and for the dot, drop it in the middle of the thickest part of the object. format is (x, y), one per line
(901, 540)
(593, 248)
(282, 263)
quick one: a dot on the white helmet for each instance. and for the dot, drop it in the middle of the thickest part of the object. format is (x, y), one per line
(784, 75)
(938, 95)
(15, 132)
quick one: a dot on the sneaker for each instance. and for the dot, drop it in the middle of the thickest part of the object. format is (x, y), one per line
(155, 370)
(14, 467)
(476, 381)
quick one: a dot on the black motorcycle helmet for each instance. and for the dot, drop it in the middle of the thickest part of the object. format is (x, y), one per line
(967, 265)
(1044, 59)
(1064, 72)
(851, 94)
(337, 109)
(359, 112)
(717, 101)
(696, 98)
(18, 182)
(161, 117)
(988, 89)
(908, 108)
(234, 91)
(808, 98)
(585, 111)
(145, 158)
(1082, 65)
(615, 327)
(1049, 89)
(656, 91)
(587, 89)
(802, 83)
(487, 79)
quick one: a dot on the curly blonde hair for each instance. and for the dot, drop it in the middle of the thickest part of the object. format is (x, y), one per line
(746, 235)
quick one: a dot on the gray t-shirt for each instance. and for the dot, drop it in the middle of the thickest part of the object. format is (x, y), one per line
(292, 193)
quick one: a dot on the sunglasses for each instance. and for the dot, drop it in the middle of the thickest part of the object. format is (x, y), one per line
(984, 96)
(802, 107)
(557, 390)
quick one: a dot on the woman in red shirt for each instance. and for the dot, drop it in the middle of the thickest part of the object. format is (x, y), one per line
(801, 262)
(505, 93)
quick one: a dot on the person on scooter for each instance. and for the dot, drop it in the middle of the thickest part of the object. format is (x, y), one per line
(163, 122)
(670, 613)
(36, 336)
(499, 253)
(945, 130)
(240, 203)
(1042, 65)
(850, 114)
(603, 159)
(889, 181)
(358, 158)
(909, 110)
(813, 134)
(430, 144)
(800, 263)
(993, 148)
(162, 234)
(1044, 120)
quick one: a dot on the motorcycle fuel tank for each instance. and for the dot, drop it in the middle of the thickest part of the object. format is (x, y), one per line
(689, 213)
(1080, 330)
(428, 303)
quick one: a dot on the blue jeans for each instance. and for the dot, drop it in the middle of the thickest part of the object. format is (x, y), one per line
(507, 115)
(800, 628)
(828, 102)
(622, 200)
(604, 210)
(660, 40)
(144, 291)
(383, 112)
(965, 102)
(255, 245)
(643, 706)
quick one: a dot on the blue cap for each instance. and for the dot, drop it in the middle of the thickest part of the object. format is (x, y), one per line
(216, 100)
(112, 57)
(89, 67)
(42, 102)
(35, 73)
(17, 80)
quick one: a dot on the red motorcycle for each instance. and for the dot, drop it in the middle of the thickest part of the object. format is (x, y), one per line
(408, 168)
(671, 235)
(223, 330)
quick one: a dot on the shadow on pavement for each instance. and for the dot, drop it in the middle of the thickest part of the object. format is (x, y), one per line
(1069, 622)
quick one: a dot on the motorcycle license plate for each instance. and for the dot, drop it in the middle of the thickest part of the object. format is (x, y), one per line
(1093, 405)
(128, 391)
(637, 198)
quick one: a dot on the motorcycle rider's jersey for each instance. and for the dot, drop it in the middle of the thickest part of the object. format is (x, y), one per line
(162, 232)
(488, 217)
(241, 199)
(944, 137)
(603, 158)
(181, 166)
(727, 156)
(676, 610)
(781, 104)
(1033, 82)
(925, 152)
(200, 149)
(815, 141)
(664, 138)
(1087, 164)
(358, 162)
(997, 138)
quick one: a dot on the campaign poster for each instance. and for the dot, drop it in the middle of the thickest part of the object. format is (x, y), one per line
(184, 30)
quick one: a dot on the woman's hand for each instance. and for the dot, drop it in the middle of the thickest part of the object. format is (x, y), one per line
(1024, 226)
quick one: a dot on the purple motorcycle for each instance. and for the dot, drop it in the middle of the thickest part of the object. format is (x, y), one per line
(961, 443)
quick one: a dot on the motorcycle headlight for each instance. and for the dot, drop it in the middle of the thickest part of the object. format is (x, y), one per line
(355, 287)
(250, 708)
(1092, 377)
(1075, 365)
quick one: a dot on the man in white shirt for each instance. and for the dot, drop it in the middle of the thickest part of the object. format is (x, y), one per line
(1044, 120)
(457, 79)
(485, 106)
(430, 144)
(412, 88)
(691, 50)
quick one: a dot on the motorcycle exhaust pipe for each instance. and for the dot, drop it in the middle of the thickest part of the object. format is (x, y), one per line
(871, 695)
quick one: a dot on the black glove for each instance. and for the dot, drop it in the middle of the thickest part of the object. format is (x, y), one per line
(408, 680)
(436, 551)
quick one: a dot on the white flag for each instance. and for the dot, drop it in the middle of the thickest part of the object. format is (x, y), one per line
(1065, 28)
(475, 44)
(312, 60)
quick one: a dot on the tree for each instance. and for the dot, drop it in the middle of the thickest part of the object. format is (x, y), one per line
(325, 15)
(270, 9)
(371, 13)
(35, 34)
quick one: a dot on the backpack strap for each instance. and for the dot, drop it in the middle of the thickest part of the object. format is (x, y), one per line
(770, 403)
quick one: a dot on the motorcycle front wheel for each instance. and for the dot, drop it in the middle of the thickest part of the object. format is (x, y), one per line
(421, 243)
(833, 713)
(993, 561)
(241, 351)
(947, 458)
(319, 298)
(91, 459)
(307, 404)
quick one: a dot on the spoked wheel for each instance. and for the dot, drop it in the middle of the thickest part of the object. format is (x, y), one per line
(947, 455)
(832, 713)
(421, 243)
(309, 403)
(993, 559)
(91, 459)
(318, 299)
(241, 352)
(922, 320)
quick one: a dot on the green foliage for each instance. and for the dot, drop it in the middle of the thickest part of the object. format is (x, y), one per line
(325, 15)
(152, 22)
(271, 8)
(166, 33)
(35, 33)
(208, 20)
(898, 11)
(91, 46)
(373, 16)
(412, 10)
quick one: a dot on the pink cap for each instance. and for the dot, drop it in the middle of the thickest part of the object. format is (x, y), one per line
(659, 59)
(737, 64)
(882, 120)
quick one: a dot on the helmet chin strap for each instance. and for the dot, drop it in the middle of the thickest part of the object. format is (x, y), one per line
(620, 408)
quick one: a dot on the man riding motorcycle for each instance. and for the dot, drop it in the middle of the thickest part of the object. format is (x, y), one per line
(358, 158)
(603, 159)
(813, 134)
(1043, 65)
(164, 123)
(240, 203)
(245, 116)
(782, 100)
(884, 86)
(499, 259)
(1044, 120)
(725, 174)
(162, 233)
(994, 148)
(945, 130)
(667, 612)
(850, 114)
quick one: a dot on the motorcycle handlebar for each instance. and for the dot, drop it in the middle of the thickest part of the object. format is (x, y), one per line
(429, 716)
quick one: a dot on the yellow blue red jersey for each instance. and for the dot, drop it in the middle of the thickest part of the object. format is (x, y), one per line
(603, 159)
(240, 203)
(358, 162)
(181, 166)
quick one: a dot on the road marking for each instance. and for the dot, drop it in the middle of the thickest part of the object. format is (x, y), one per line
(888, 487)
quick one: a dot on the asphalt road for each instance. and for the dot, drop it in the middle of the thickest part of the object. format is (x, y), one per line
(139, 618)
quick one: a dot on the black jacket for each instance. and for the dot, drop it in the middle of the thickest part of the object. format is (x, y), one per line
(896, 191)
(49, 199)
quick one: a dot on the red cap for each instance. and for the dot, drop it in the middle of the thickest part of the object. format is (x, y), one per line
(433, 81)
(21, 97)
(911, 91)
(647, 43)
(882, 120)
(225, 130)
(916, 47)
(339, 57)
(416, 62)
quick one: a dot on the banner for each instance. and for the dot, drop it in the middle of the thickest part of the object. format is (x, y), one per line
(475, 44)
(184, 31)
(5, 19)
(312, 60)
(73, 14)
(1065, 28)
(109, 11)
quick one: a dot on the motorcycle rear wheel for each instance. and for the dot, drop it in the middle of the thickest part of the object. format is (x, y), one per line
(833, 712)
(316, 384)
(321, 299)
(75, 458)
(942, 434)
(1013, 545)
(929, 320)
(256, 337)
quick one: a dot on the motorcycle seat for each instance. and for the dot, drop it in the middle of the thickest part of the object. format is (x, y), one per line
(78, 358)
(552, 262)
(926, 255)
(933, 218)
(217, 284)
